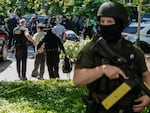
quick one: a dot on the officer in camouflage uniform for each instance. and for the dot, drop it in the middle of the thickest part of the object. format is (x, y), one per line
(100, 75)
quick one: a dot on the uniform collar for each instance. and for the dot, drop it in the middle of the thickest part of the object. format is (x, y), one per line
(116, 45)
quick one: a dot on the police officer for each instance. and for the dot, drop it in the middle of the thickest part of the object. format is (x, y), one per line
(98, 72)
(21, 35)
(53, 46)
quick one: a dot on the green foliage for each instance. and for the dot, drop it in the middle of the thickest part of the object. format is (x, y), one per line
(47, 96)
(78, 2)
(146, 110)
(73, 48)
(88, 8)
(91, 7)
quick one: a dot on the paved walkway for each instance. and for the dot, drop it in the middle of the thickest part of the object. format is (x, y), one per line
(10, 73)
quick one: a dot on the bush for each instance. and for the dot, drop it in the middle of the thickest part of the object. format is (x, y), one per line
(47, 96)
(73, 48)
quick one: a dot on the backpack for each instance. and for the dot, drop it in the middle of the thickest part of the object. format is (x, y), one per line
(67, 65)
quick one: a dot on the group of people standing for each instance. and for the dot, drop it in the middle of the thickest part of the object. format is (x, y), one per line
(47, 39)
(47, 45)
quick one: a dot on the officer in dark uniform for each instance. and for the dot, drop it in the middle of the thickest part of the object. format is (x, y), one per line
(53, 47)
(21, 35)
(98, 72)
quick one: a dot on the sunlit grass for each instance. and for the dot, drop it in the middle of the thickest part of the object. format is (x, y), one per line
(47, 96)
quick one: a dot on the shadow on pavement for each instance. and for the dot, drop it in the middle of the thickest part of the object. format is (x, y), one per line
(4, 65)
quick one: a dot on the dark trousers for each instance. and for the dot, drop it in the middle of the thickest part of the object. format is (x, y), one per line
(11, 40)
(21, 67)
(53, 63)
(21, 61)
(39, 61)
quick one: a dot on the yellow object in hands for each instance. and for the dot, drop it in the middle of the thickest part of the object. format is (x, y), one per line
(116, 95)
(147, 85)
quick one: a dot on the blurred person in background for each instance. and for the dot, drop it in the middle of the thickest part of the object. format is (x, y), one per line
(79, 23)
(11, 24)
(33, 25)
(59, 30)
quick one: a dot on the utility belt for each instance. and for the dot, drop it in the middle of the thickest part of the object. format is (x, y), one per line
(93, 107)
(52, 50)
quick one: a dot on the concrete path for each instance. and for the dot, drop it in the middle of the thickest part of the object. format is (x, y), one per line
(10, 73)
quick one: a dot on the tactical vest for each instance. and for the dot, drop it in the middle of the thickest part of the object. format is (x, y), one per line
(20, 38)
(102, 87)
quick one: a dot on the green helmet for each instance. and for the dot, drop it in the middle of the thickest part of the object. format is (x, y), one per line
(113, 9)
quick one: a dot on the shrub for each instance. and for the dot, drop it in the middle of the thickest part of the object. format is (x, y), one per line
(73, 48)
(47, 96)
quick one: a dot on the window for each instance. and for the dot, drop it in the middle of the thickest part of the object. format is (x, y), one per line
(131, 29)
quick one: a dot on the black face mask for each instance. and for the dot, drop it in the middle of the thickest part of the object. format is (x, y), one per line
(111, 33)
